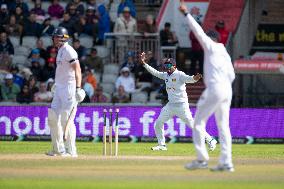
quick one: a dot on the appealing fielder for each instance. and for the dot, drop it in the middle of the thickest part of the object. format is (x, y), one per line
(67, 94)
(218, 77)
(178, 101)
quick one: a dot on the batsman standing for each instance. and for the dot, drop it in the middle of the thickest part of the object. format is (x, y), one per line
(178, 101)
(216, 99)
(67, 95)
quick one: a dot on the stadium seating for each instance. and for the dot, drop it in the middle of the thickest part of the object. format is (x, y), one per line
(139, 97)
(29, 41)
(47, 41)
(22, 50)
(108, 87)
(109, 78)
(86, 41)
(111, 69)
(15, 40)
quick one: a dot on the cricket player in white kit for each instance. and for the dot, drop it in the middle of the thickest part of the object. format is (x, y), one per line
(178, 101)
(216, 99)
(67, 95)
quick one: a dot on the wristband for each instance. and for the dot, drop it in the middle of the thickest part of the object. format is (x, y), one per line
(78, 87)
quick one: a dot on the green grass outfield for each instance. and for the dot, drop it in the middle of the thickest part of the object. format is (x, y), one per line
(24, 165)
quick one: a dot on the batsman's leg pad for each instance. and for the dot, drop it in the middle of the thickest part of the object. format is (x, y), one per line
(70, 142)
(56, 132)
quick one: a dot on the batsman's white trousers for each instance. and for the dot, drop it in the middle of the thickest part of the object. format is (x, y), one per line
(62, 104)
(215, 99)
(171, 109)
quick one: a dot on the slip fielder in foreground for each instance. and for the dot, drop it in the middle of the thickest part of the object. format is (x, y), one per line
(178, 101)
(216, 99)
(67, 95)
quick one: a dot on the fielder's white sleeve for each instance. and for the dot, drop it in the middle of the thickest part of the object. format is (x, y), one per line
(154, 72)
(201, 36)
(186, 78)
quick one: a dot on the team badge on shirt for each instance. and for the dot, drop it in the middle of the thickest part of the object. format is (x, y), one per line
(174, 80)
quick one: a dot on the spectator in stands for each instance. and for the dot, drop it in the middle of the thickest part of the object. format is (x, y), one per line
(74, 15)
(32, 83)
(41, 48)
(46, 27)
(80, 27)
(104, 23)
(80, 49)
(52, 52)
(36, 69)
(88, 88)
(94, 62)
(18, 78)
(26, 74)
(68, 23)
(223, 33)
(127, 3)
(99, 96)
(48, 70)
(6, 47)
(125, 23)
(6, 51)
(55, 10)
(19, 3)
(92, 23)
(92, 3)
(196, 55)
(130, 62)
(37, 10)
(49, 84)
(120, 96)
(79, 7)
(126, 80)
(167, 37)
(9, 89)
(35, 56)
(20, 18)
(90, 78)
(149, 26)
(31, 27)
(4, 15)
(13, 28)
(25, 95)
(42, 95)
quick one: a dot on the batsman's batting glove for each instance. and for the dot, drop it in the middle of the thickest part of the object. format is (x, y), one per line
(80, 94)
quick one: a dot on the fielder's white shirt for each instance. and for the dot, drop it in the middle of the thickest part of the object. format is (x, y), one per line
(65, 74)
(218, 67)
(175, 84)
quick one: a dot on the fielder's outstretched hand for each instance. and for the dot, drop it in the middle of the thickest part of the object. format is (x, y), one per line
(143, 58)
(197, 77)
(182, 7)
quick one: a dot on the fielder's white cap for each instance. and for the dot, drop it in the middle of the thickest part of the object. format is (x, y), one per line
(9, 76)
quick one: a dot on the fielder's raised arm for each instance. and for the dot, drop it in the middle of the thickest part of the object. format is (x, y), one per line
(151, 70)
(203, 39)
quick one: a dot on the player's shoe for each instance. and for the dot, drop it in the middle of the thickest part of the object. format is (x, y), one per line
(52, 153)
(196, 164)
(159, 147)
(221, 168)
(212, 144)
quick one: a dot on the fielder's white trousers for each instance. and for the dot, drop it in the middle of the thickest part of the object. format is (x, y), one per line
(62, 104)
(216, 99)
(171, 109)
